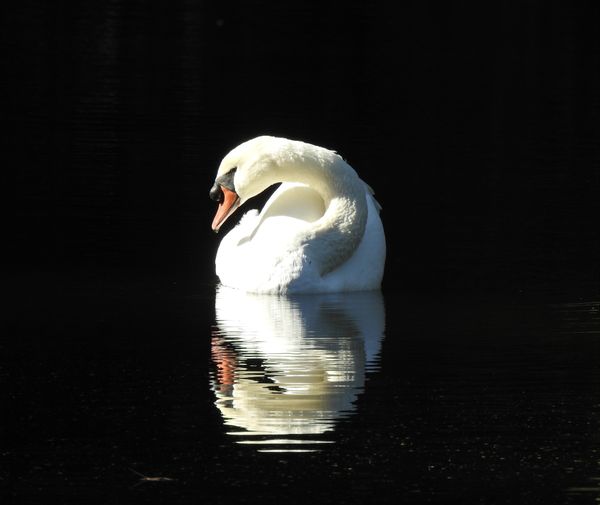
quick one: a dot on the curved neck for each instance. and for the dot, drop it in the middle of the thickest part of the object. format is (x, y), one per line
(333, 238)
(339, 232)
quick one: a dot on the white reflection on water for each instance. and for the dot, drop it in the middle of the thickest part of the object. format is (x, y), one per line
(288, 367)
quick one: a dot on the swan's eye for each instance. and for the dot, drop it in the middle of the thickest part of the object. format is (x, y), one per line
(216, 193)
(226, 180)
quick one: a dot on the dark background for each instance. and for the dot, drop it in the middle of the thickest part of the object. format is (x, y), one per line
(476, 125)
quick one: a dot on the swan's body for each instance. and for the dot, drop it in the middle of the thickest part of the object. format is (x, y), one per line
(320, 231)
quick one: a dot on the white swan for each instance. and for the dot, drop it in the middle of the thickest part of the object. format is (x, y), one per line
(320, 231)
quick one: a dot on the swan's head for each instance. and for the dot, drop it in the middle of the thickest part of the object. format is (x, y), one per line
(245, 172)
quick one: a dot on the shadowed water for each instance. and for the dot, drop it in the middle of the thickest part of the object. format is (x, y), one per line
(162, 390)
(123, 383)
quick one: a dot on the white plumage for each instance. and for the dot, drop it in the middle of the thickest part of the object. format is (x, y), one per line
(320, 231)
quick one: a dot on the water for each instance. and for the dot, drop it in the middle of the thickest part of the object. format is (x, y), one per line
(155, 389)
(473, 378)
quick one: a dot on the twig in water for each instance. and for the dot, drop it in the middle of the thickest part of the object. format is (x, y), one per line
(145, 478)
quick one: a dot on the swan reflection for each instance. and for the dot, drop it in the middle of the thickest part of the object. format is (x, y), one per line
(287, 367)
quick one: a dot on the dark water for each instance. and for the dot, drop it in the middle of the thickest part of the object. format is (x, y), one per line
(472, 379)
(394, 397)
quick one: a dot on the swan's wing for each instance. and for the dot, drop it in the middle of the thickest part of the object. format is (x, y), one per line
(371, 192)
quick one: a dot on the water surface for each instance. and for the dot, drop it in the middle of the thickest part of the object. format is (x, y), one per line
(398, 396)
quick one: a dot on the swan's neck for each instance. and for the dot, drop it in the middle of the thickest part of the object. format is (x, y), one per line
(333, 238)
(339, 232)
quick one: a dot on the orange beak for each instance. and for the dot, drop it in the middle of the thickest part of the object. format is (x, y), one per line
(230, 202)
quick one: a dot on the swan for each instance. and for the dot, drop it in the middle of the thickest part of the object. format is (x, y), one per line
(319, 232)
